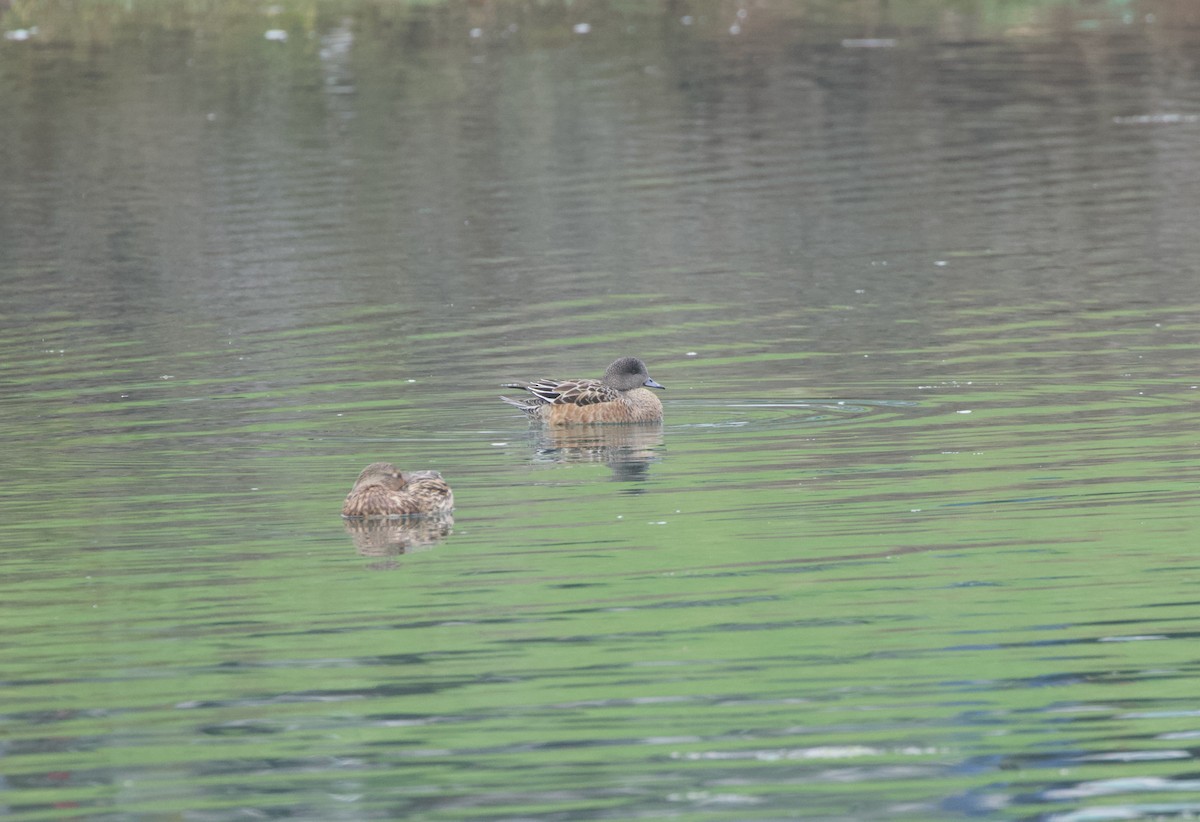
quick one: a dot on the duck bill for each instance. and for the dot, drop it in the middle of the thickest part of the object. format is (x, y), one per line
(649, 383)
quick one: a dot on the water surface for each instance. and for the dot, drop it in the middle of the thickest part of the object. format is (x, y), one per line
(916, 539)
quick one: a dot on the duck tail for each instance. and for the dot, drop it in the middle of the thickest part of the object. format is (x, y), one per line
(525, 405)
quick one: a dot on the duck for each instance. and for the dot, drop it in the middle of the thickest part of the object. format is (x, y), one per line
(382, 491)
(622, 395)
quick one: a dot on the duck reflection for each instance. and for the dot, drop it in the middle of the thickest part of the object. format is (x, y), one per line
(628, 450)
(392, 537)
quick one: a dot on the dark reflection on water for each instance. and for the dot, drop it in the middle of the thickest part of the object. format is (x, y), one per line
(374, 538)
(629, 450)
(916, 538)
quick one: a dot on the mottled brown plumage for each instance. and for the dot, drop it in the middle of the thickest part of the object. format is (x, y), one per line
(621, 396)
(384, 492)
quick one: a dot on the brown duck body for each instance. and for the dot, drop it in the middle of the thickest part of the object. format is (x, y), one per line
(622, 396)
(384, 492)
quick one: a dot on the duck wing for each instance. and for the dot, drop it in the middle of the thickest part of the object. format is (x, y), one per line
(573, 392)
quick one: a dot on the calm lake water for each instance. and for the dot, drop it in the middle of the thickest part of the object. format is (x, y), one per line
(917, 539)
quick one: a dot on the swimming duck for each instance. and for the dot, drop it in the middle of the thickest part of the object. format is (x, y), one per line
(382, 491)
(621, 395)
